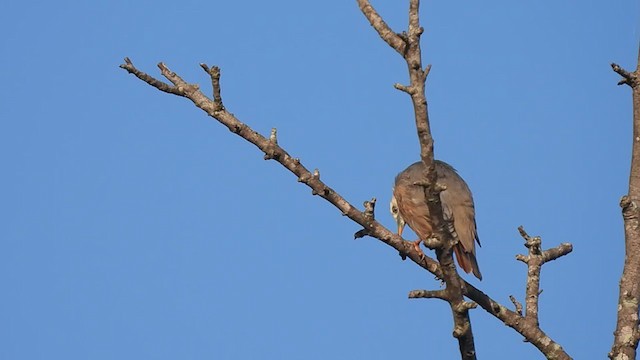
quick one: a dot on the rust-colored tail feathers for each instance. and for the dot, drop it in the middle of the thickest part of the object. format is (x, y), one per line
(467, 261)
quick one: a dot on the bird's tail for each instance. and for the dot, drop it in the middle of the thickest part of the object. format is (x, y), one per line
(467, 261)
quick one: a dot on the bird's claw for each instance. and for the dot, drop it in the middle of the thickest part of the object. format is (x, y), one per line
(416, 245)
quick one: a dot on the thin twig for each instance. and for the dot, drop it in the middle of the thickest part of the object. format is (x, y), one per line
(162, 86)
(214, 74)
(428, 294)
(517, 304)
(443, 239)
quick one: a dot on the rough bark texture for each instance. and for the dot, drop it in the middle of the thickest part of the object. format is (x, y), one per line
(534, 260)
(407, 44)
(626, 335)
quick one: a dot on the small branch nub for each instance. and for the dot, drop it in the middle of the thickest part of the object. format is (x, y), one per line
(273, 137)
(369, 209)
(270, 152)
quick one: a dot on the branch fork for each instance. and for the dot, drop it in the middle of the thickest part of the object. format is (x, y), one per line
(407, 44)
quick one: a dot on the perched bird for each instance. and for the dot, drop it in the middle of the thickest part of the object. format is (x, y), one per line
(409, 206)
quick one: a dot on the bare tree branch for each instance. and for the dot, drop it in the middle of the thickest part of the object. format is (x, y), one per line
(371, 226)
(394, 40)
(411, 52)
(271, 148)
(534, 260)
(214, 74)
(517, 304)
(407, 44)
(627, 334)
(428, 294)
(416, 89)
(128, 65)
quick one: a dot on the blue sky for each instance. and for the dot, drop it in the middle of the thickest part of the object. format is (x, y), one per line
(136, 227)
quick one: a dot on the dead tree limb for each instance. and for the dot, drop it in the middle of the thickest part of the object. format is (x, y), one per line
(366, 219)
(534, 260)
(274, 151)
(627, 334)
(408, 45)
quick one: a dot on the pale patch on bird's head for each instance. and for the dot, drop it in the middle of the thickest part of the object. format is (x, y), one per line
(395, 212)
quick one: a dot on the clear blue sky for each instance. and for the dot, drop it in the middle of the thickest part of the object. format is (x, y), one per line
(134, 227)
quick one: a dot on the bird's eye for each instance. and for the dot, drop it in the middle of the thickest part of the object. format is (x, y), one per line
(394, 209)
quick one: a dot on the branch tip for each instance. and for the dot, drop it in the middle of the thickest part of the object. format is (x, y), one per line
(214, 74)
(428, 294)
(426, 72)
(523, 233)
(369, 208)
(360, 234)
(160, 85)
(406, 89)
(628, 78)
(517, 304)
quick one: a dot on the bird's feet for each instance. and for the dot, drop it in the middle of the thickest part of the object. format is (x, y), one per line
(416, 245)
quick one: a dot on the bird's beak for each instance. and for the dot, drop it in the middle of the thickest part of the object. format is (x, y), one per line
(400, 228)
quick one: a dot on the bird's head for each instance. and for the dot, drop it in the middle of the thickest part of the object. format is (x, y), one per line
(393, 207)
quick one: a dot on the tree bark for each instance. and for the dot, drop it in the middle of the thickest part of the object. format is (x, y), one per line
(626, 335)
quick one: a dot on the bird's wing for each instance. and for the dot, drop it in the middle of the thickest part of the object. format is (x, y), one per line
(458, 206)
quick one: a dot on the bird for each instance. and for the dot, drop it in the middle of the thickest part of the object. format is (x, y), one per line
(409, 207)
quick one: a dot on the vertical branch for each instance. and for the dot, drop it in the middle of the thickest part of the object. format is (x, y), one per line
(412, 54)
(214, 74)
(634, 176)
(529, 323)
(534, 260)
(408, 45)
(418, 78)
(534, 266)
(416, 89)
(626, 335)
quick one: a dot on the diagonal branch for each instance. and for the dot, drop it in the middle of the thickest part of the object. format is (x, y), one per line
(409, 46)
(527, 325)
(370, 226)
(513, 319)
(273, 151)
(394, 40)
(627, 334)
(162, 86)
